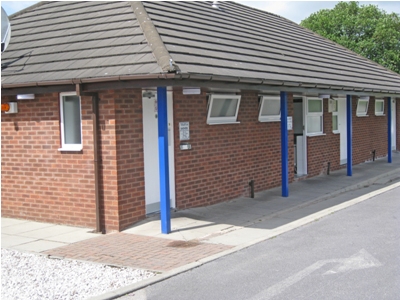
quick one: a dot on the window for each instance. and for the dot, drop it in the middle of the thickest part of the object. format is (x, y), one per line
(379, 107)
(223, 109)
(362, 107)
(270, 109)
(70, 122)
(314, 116)
(334, 108)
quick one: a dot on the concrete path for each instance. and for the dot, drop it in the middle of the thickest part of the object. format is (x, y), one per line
(200, 235)
(32, 236)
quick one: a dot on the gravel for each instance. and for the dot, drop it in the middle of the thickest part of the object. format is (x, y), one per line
(32, 276)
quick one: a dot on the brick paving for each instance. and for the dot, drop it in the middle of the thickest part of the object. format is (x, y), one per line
(138, 251)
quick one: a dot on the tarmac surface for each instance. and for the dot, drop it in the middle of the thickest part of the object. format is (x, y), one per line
(200, 235)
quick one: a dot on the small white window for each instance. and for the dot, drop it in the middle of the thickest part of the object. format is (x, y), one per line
(223, 109)
(379, 107)
(362, 107)
(70, 122)
(314, 116)
(334, 108)
(270, 109)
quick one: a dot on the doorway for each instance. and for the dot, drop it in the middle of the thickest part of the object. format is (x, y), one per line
(300, 138)
(150, 148)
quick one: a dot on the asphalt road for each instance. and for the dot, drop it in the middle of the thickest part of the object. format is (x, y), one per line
(351, 254)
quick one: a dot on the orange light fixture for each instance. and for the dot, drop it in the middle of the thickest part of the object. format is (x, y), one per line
(5, 107)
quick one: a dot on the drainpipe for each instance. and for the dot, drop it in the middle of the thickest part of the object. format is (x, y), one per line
(95, 112)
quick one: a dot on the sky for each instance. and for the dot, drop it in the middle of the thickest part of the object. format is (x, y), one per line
(292, 10)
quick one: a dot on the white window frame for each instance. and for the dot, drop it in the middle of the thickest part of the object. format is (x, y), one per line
(64, 145)
(380, 113)
(335, 114)
(226, 119)
(269, 118)
(315, 114)
(362, 113)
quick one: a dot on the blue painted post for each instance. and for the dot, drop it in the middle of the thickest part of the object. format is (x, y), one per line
(389, 113)
(284, 146)
(163, 159)
(349, 136)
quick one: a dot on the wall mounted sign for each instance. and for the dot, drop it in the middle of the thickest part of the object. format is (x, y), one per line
(184, 132)
(289, 123)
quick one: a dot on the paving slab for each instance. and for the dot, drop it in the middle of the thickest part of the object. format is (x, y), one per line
(51, 231)
(179, 222)
(149, 228)
(24, 227)
(10, 222)
(39, 246)
(122, 249)
(74, 236)
(188, 235)
(10, 240)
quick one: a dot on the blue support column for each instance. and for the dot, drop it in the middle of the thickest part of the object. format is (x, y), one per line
(163, 159)
(349, 136)
(284, 146)
(389, 114)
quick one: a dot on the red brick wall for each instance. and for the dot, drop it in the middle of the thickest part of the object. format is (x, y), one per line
(224, 158)
(43, 184)
(129, 131)
(38, 182)
(108, 164)
(325, 148)
(369, 133)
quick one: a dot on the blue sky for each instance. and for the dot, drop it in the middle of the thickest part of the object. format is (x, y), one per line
(292, 10)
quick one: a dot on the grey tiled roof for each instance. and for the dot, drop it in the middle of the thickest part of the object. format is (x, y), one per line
(74, 40)
(244, 42)
(80, 40)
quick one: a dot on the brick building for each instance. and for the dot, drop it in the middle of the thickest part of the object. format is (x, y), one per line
(262, 101)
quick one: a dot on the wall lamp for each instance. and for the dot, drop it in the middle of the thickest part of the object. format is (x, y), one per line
(26, 97)
(191, 91)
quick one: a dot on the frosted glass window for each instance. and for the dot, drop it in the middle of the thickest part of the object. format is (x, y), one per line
(335, 123)
(314, 124)
(379, 107)
(362, 107)
(223, 109)
(70, 123)
(315, 105)
(72, 120)
(334, 107)
(314, 116)
(270, 109)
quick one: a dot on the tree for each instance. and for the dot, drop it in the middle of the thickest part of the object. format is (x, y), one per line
(364, 29)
